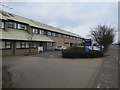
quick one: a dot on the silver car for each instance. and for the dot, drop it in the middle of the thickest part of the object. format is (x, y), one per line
(60, 48)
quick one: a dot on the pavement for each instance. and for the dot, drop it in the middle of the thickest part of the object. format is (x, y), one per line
(49, 70)
(107, 76)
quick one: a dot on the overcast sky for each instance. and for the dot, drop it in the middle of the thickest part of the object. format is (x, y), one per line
(76, 17)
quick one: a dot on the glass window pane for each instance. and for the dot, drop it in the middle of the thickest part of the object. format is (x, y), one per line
(27, 44)
(18, 45)
(35, 45)
(7, 42)
(33, 30)
(59, 35)
(51, 44)
(25, 27)
(8, 46)
(3, 44)
(14, 25)
(23, 46)
(10, 24)
(1, 24)
(18, 26)
(49, 33)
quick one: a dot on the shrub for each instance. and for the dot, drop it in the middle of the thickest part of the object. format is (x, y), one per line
(78, 52)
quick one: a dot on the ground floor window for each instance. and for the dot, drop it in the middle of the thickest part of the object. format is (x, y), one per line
(49, 44)
(5, 44)
(54, 44)
(23, 44)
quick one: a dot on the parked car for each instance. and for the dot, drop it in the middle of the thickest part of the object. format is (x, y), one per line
(60, 48)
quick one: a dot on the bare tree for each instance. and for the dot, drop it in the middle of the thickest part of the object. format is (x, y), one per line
(103, 35)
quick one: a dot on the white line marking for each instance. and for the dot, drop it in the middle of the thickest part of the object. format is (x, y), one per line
(98, 85)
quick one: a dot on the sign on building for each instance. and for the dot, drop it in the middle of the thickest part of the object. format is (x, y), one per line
(88, 42)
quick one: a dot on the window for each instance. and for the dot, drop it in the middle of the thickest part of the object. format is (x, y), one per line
(68, 37)
(49, 33)
(27, 44)
(18, 45)
(64, 36)
(71, 37)
(53, 34)
(54, 44)
(22, 44)
(22, 26)
(42, 32)
(49, 44)
(76, 38)
(35, 30)
(33, 45)
(11, 25)
(5, 45)
(59, 35)
(1, 24)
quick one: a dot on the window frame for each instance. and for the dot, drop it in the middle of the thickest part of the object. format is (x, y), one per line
(11, 24)
(41, 32)
(49, 33)
(59, 35)
(53, 34)
(25, 44)
(2, 25)
(21, 26)
(5, 44)
(35, 30)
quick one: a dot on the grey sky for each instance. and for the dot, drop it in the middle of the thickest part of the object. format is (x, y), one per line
(76, 17)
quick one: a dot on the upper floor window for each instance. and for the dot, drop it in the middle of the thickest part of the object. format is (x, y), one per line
(71, 37)
(1, 24)
(42, 32)
(11, 25)
(76, 38)
(64, 36)
(35, 30)
(68, 37)
(53, 34)
(49, 33)
(22, 26)
(58, 35)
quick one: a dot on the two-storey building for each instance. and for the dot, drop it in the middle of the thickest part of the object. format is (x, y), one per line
(21, 35)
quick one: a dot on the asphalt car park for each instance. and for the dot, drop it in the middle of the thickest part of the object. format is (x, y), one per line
(50, 70)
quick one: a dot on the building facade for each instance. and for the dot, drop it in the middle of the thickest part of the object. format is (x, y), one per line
(20, 36)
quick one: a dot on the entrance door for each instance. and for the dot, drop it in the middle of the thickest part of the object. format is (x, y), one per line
(13, 47)
(71, 44)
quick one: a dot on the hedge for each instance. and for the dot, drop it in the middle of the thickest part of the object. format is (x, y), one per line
(78, 52)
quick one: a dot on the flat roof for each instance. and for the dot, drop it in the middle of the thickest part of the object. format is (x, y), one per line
(8, 16)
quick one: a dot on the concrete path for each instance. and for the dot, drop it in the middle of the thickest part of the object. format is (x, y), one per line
(40, 72)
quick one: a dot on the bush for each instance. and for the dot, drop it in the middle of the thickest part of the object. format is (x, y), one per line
(78, 52)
